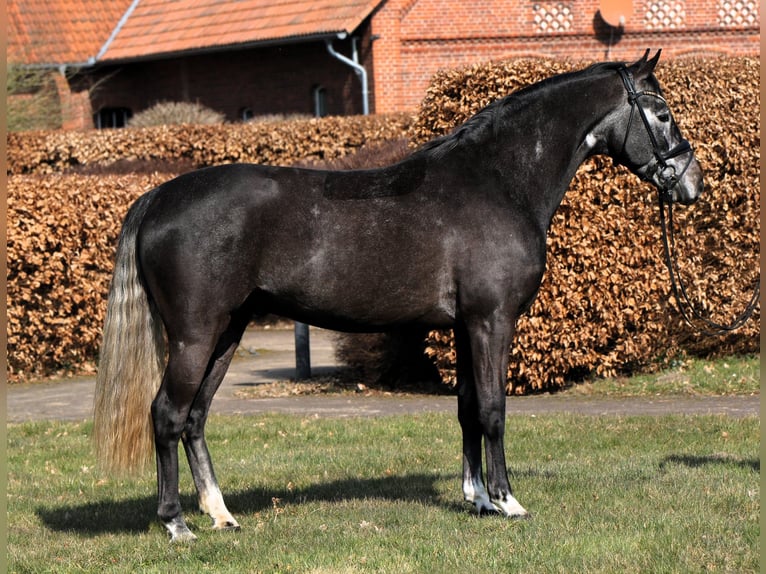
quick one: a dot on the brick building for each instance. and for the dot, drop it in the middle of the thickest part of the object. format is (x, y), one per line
(419, 37)
(259, 57)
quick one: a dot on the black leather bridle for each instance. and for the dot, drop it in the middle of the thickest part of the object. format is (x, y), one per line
(666, 175)
(666, 179)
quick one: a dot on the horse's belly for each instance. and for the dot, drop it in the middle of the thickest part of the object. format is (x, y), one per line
(356, 265)
(361, 296)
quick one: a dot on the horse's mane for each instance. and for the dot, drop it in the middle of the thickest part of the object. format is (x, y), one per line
(487, 120)
(404, 176)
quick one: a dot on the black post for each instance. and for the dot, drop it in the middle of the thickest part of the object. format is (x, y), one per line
(302, 353)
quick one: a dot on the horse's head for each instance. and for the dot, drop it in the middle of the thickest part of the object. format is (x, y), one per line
(647, 140)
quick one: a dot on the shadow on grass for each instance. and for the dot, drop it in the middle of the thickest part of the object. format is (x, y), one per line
(694, 461)
(135, 515)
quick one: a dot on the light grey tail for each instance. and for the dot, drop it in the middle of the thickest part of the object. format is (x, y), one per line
(131, 360)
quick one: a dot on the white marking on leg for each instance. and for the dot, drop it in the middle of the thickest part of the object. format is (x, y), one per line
(474, 491)
(509, 506)
(179, 532)
(211, 503)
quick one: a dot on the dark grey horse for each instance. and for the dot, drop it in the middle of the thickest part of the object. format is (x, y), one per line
(453, 236)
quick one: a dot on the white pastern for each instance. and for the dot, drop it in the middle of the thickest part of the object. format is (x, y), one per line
(510, 507)
(211, 503)
(474, 491)
(179, 532)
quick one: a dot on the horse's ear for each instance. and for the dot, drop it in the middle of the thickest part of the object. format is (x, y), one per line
(651, 64)
(644, 66)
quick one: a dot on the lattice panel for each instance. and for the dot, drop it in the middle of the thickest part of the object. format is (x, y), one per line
(665, 14)
(550, 18)
(738, 13)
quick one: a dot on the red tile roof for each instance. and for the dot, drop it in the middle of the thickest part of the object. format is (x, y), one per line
(76, 31)
(61, 31)
(162, 26)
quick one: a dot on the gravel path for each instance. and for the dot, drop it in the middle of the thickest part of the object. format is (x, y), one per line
(268, 355)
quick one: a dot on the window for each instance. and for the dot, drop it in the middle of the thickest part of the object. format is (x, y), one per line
(319, 94)
(112, 118)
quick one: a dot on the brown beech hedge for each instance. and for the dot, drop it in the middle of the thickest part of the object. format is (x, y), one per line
(604, 305)
(274, 142)
(62, 231)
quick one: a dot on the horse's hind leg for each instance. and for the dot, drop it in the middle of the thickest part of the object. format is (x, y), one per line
(185, 371)
(210, 497)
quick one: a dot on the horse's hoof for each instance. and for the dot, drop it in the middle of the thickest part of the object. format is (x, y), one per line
(184, 537)
(179, 532)
(488, 511)
(510, 507)
(227, 527)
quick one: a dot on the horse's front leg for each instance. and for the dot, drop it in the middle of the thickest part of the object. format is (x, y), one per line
(489, 342)
(468, 415)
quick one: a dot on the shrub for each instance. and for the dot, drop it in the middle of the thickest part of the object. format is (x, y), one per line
(32, 101)
(275, 143)
(62, 232)
(603, 307)
(176, 113)
(133, 167)
(290, 117)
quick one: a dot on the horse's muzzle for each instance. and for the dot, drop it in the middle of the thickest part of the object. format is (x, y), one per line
(689, 187)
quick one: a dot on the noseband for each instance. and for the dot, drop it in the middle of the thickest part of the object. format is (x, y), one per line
(665, 174)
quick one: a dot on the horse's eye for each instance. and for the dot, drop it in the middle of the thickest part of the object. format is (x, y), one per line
(663, 116)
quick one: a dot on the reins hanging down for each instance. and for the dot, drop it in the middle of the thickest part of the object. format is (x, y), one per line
(668, 178)
(690, 315)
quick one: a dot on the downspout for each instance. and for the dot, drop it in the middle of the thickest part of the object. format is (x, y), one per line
(358, 68)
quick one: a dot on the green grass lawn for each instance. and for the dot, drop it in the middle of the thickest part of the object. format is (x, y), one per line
(735, 375)
(608, 494)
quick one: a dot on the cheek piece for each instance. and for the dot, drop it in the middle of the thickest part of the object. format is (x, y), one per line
(657, 170)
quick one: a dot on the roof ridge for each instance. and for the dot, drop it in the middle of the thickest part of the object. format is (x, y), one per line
(123, 20)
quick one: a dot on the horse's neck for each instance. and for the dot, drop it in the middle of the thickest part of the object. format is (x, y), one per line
(541, 152)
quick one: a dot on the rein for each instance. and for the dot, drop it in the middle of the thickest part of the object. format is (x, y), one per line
(707, 326)
(667, 178)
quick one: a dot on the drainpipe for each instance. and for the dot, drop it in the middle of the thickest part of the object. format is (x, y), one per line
(358, 68)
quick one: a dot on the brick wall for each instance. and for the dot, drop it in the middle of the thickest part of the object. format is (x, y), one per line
(75, 105)
(416, 38)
